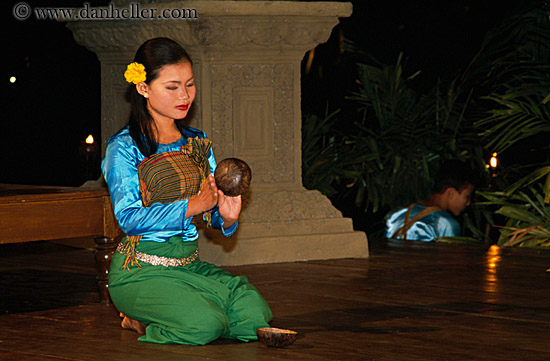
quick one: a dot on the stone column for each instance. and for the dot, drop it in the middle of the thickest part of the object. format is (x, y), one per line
(247, 57)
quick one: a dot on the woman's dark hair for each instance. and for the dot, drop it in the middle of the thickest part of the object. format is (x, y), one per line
(455, 174)
(153, 55)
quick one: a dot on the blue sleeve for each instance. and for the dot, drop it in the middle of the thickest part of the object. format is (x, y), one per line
(217, 221)
(447, 226)
(120, 171)
(393, 222)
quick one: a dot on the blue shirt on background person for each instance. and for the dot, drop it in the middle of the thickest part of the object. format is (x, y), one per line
(431, 227)
(433, 219)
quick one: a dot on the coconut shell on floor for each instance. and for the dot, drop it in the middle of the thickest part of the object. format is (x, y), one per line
(276, 337)
(233, 176)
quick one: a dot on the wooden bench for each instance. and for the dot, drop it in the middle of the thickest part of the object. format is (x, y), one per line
(41, 213)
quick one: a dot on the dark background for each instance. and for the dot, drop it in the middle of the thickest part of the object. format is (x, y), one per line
(55, 102)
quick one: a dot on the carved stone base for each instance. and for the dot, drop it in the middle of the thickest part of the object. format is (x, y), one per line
(284, 226)
(290, 247)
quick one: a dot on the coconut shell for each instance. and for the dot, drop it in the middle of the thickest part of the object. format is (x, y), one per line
(276, 337)
(233, 176)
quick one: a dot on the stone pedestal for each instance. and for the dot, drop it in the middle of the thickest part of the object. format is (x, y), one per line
(247, 57)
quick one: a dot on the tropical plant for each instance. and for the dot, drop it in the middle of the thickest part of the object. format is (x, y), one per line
(520, 93)
(526, 206)
(397, 142)
(405, 136)
(319, 154)
(400, 137)
(519, 80)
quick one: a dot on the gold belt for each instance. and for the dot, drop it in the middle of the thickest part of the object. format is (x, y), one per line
(159, 260)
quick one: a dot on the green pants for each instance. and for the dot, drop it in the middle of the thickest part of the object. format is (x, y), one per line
(193, 305)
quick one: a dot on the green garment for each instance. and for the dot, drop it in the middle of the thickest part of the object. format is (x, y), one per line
(193, 305)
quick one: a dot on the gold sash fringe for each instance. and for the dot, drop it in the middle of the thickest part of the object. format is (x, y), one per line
(129, 249)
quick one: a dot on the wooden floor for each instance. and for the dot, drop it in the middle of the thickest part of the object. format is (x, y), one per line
(409, 301)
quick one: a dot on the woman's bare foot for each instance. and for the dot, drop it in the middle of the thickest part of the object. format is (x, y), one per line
(131, 324)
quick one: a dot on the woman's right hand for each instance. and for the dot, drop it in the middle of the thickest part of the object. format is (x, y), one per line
(206, 199)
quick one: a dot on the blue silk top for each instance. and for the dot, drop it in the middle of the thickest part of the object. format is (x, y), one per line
(433, 226)
(158, 222)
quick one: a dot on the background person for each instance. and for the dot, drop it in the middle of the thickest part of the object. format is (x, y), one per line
(433, 219)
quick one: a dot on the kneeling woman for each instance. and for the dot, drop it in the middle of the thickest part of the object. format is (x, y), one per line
(159, 175)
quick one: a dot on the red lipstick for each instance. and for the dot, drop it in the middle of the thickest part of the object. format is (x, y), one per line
(183, 107)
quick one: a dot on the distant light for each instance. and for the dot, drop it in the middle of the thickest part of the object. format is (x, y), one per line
(90, 139)
(13, 79)
(493, 162)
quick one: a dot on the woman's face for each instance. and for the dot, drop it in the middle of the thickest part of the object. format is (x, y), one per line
(171, 94)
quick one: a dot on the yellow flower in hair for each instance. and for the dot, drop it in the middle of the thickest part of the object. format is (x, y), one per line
(135, 73)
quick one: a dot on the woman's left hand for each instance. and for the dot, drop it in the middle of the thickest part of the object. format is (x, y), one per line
(229, 208)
